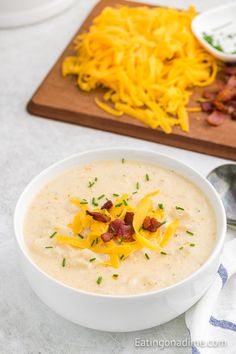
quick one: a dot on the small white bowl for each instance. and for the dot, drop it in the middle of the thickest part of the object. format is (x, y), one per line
(110, 312)
(215, 21)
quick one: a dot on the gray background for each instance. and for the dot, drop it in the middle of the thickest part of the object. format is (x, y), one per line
(28, 145)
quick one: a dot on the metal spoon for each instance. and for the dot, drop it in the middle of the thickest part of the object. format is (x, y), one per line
(223, 178)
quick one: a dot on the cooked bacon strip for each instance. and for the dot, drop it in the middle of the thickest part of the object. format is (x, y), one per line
(216, 118)
(108, 205)
(107, 236)
(118, 228)
(207, 107)
(98, 216)
(225, 95)
(231, 70)
(231, 81)
(151, 224)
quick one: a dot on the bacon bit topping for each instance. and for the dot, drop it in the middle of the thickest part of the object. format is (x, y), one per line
(98, 216)
(129, 216)
(108, 205)
(107, 236)
(230, 70)
(207, 107)
(151, 224)
(216, 118)
(118, 228)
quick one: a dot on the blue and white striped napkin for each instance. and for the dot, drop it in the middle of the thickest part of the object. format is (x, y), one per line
(212, 321)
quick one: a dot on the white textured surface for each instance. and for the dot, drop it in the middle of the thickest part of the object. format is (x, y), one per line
(27, 145)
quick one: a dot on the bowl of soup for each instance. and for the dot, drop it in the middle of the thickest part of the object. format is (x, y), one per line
(119, 239)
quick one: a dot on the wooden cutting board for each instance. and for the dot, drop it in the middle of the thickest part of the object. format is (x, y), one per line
(59, 98)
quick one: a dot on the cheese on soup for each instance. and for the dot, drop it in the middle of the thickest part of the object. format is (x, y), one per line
(120, 227)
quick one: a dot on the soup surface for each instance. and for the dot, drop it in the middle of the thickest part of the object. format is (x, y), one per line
(149, 259)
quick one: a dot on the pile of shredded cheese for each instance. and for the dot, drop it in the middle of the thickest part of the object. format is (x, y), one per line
(148, 61)
(118, 249)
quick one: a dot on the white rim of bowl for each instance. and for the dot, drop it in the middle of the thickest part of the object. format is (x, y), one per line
(221, 227)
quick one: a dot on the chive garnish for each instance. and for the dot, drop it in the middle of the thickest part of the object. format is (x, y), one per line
(84, 202)
(96, 240)
(189, 232)
(81, 236)
(160, 206)
(121, 257)
(122, 239)
(92, 259)
(118, 204)
(63, 262)
(137, 185)
(48, 247)
(99, 280)
(125, 202)
(192, 244)
(115, 275)
(101, 196)
(135, 192)
(147, 256)
(92, 243)
(115, 195)
(164, 253)
(181, 248)
(94, 202)
(147, 177)
(123, 160)
(52, 235)
(163, 223)
(179, 208)
(92, 183)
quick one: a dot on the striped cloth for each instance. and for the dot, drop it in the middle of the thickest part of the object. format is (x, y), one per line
(212, 321)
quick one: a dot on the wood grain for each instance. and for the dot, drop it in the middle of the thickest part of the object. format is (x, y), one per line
(59, 98)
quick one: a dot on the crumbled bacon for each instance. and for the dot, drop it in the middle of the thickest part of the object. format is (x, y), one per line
(230, 70)
(216, 118)
(151, 224)
(107, 236)
(129, 216)
(231, 81)
(108, 205)
(207, 107)
(118, 228)
(98, 216)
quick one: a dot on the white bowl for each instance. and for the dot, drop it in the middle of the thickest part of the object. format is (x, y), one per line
(222, 18)
(110, 312)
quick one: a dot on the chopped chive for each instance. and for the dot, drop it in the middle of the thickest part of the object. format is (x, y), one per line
(92, 183)
(95, 179)
(181, 248)
(115, 195)
(147, 256)
(135, 192)
(147, 177)
(164, 253)
(192, 244)
(63, 262)
(179, 208)
(92, 259)
(122, 239)
(52, 235)
(123, 160)
(115, 276)
(121, 257)
(189, 232)
(92, 243)
(84, 202)
(163, 223)
(48, 247)
(118, 204)
(160, 206)
(137, 185)
(101, 196)
(94, 202)
(81, 236)
(96, 240)
(99, 280)
(125, 202)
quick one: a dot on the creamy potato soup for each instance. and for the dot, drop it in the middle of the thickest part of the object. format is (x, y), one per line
(120, 227)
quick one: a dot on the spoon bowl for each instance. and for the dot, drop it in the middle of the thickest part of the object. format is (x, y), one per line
(223, 178)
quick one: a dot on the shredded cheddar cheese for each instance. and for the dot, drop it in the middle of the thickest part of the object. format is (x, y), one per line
(118, 248)
(148, 61)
